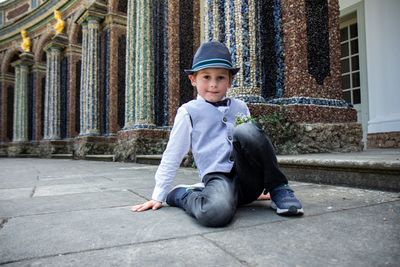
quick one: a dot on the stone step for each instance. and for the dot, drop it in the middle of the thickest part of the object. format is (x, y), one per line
(378, 170)
(372, 169)
(100, 157)
(61, 156)
(25, 156)
(148, 159)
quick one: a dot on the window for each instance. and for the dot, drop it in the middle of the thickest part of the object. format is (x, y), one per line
(350, 63)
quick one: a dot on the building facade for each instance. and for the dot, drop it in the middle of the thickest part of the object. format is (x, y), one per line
(370, 62)
(106, 77)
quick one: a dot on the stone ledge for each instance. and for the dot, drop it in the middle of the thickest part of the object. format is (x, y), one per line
(61, 156)
(100, 157)
(366, 165)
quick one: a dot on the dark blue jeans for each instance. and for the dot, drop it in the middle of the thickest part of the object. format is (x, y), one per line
(255, 170)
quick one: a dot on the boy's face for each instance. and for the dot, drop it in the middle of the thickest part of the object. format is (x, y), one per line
(211, 84)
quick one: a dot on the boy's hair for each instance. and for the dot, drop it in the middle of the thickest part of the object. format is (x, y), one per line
(229, 71)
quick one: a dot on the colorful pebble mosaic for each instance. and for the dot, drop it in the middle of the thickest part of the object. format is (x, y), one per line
(121, 67)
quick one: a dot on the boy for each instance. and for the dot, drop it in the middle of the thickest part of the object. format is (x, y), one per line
(236, 163)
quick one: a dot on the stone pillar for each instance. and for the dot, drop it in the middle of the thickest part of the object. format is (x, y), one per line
(140, 135)
(90, 124)
(312, 89)
(39, 72)
(233, 22)
(52, 93)
(289, 55)
(5, 81)
(20, 127)
(89, 140)
(139, 111)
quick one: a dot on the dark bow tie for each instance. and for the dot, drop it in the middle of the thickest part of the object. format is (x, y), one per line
(222, 103)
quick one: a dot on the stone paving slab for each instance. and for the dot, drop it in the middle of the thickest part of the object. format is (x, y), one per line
(367, 236)
(78, 215)
(15, 193)
(67, 232)
(172, 252)
(66, 203)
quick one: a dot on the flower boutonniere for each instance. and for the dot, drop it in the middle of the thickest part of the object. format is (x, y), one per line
(241, 118)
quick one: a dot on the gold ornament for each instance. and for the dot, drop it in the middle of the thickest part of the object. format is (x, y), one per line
(59, 26)
(26, 41)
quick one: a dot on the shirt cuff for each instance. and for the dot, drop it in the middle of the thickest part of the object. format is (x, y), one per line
(159, 194)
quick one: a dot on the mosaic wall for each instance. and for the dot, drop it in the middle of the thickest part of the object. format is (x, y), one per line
(160, 16)
(122, 75)
(43, 89)
(186, 36)
(64, 73)
(10, 111)
(318, 39)
(78, 95)
(31, 112)
(121, 80)
(104, 85)
(270, 43)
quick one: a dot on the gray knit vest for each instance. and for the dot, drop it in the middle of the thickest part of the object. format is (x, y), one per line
(212, 134)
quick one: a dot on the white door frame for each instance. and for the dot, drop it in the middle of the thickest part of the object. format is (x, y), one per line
(358, 9)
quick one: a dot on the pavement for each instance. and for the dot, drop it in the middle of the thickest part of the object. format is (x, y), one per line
(62, 212)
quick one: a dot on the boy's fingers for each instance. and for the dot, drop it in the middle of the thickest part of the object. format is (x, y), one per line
(157, 205)
(139, 207)
(148, 205)
(135, 208)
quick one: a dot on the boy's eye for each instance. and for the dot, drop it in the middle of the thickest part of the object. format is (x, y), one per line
(206, 77)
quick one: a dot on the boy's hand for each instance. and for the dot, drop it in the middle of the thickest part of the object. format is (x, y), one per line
(151, 204)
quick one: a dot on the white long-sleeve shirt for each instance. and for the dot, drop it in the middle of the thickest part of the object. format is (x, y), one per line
(178, 146)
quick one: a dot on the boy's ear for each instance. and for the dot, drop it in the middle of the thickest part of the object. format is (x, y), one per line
(192, 79)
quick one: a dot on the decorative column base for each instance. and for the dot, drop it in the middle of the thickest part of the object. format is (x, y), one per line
(3, 150)
(140, 142)
(20, 149)
(302, 129)
(93, 145)
(248, 95)
(47, 148)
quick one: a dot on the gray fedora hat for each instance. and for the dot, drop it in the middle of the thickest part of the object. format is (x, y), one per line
(212, 55)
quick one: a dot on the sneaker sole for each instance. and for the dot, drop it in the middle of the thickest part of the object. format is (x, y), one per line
(290, 211)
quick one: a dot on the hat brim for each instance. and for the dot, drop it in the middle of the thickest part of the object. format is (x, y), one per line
(192, 71)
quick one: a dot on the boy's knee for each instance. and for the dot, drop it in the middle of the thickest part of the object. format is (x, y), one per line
(217, 214)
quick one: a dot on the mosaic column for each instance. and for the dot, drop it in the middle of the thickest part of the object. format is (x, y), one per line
(114, 53)
(312, 90)
(52, 91)
(233, 22)
(183, 39)
(139, 110)
(5, 81)
(73, 53)
(90, 124)
(20, 127)
(39, 74)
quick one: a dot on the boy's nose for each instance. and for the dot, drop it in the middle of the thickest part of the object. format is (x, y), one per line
(213, 83)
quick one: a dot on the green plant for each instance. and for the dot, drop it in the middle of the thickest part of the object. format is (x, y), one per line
(278, 129)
